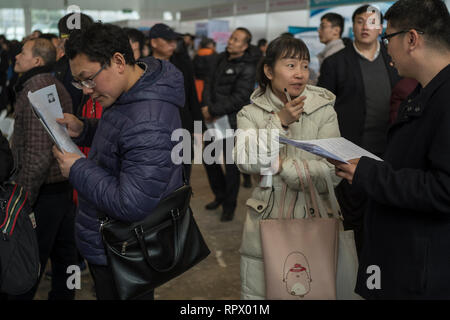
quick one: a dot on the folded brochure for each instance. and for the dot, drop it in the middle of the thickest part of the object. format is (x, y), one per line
(46, 106)
(339, 149)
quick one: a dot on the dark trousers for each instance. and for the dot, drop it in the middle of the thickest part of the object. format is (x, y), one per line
(353, 203)
(225, 186)
(55, 230)
(105, 289)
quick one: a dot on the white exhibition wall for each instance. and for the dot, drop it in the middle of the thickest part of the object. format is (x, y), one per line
(261, 25)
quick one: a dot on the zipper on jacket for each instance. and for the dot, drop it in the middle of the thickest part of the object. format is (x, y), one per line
(124, 246)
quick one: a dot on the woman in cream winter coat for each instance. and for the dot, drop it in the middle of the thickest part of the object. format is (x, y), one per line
(285, 66)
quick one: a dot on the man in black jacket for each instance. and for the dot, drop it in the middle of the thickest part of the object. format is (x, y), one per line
(163, 42)
(407, 220)
(226, 91)
(361, 78)
(62, 67)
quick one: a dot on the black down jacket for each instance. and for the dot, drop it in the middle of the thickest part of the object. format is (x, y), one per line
(230, 85)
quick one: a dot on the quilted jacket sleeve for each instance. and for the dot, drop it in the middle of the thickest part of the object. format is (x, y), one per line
(146, 169)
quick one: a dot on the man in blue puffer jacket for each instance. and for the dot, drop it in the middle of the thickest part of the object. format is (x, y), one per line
(129, 168)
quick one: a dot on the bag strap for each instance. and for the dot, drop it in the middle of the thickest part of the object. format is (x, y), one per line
(302, 184)
(332, 195)
(311, 187)
(181, 225)
(282, 200)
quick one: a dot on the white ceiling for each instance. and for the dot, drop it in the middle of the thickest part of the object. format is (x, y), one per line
(138, 5)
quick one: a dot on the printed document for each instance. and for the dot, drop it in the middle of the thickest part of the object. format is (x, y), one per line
(339, 149)
(222, 128)
(46, 106)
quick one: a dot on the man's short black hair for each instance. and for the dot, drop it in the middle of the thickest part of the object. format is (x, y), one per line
(205, 42)
(336, 20)
(99, 42)
(135, 36)
(429, 16)
(366, 8)
(248, 34)
(85, 21)
(261, 42)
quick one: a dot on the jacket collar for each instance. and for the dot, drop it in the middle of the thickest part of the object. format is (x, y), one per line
(30, 74)
(377, 53)
(418, 100)
(329, 46)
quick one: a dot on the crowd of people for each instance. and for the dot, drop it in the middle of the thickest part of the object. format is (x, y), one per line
(124, 92)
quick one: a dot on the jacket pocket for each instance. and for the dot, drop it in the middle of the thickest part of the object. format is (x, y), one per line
(257, 205)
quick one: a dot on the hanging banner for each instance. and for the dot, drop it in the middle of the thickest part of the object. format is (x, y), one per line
(224, 10)
(287, 5)
(195, 14)
(251, 7)
(330, 3)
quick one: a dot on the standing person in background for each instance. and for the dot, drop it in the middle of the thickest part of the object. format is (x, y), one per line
(361, 77)
(50, 194)
(4, 65)
(137, 41)
(203, 62)
(262, 45)
(6, 159)
(400, 92)
(12, 48)
(189, 44)
(163, 41)
(330, 34)
(62, 67)
(226, 91)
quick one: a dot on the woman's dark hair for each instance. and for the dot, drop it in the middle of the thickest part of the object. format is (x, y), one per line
(280, 48)
(99, 42)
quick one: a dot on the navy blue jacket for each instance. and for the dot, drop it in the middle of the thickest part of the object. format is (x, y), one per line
(129, 168)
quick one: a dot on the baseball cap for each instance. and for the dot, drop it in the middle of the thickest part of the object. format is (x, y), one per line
(161, 30)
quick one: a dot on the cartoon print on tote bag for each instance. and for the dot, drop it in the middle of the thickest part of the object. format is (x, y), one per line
(297, 274)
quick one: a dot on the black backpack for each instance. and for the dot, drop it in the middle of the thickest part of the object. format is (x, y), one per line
(19, 251)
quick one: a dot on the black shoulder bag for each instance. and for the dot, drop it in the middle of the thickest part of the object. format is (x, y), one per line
(146, 254)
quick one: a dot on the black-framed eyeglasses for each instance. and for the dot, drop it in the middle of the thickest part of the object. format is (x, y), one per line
(88, 83)
(386, 37)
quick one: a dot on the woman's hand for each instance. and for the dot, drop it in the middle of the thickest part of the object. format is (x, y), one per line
(292, 111)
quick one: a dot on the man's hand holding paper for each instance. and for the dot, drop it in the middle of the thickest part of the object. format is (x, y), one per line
(345, 170)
